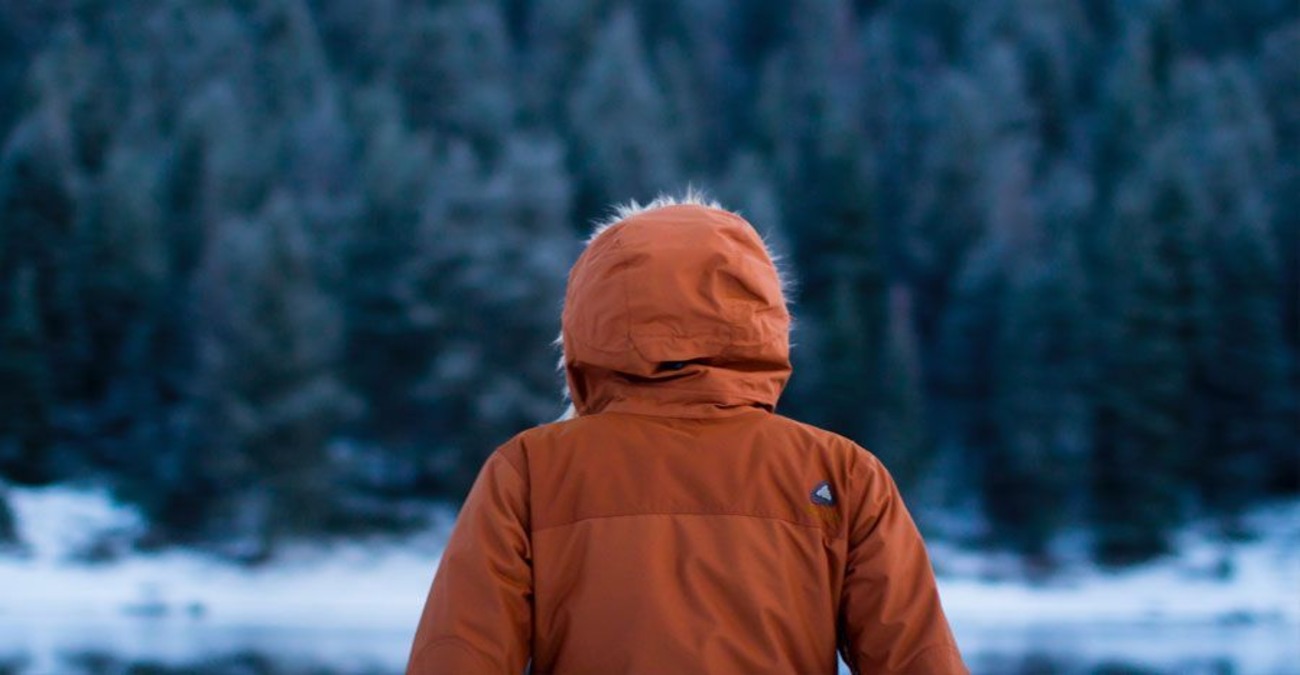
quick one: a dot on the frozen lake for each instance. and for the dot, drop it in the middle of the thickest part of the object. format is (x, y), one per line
(165, 646)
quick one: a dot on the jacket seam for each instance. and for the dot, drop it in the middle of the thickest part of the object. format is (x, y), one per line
(460, 644)
(689, 513)
(509, 462)
(693, 390)
(903, 670)
(739, 409)
(627, 305)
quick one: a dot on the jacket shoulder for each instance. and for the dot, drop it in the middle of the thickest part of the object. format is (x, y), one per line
(516, 449)
(825, 440)
(807, 434)
(549, 432)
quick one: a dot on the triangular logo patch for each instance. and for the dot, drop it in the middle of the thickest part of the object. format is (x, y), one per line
(822, 495)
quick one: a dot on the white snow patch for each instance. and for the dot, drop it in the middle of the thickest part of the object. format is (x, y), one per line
(1207, 582)
(354, 584)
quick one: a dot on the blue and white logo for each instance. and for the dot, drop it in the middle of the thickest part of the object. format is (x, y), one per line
(822, 495)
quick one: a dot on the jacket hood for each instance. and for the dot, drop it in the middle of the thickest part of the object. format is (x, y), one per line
(675, 309)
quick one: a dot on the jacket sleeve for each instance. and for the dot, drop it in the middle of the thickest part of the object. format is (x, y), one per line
(890, 619)
(478, 617)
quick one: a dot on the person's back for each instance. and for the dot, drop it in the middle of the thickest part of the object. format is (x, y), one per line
(677, 524)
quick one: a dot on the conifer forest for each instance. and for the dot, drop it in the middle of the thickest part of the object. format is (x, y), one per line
(285, 269)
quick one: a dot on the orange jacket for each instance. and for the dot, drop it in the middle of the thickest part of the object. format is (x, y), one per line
(677, 524)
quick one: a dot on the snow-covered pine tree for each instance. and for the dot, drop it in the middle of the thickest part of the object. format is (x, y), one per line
(270, 398)
(618, 119)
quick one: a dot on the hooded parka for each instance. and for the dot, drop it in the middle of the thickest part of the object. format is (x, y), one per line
(677, 524)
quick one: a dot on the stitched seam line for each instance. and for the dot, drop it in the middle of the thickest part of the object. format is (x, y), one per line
(509, 462)
(627, 305)
(921, 653)
(459, 644)
(686, 513)
(689, 390)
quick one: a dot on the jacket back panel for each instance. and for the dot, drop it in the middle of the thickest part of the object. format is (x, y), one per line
(685, 545)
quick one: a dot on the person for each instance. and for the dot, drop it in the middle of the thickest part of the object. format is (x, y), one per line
(675, 523)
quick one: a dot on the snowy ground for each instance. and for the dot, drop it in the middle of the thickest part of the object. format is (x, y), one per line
(379, 584)
(1208, 582)
(353, 606)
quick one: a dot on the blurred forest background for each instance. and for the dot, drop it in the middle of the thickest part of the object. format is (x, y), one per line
(276, 269)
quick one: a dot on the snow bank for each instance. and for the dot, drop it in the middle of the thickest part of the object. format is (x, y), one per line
(383, 583)
(1207, 582)
(356, 584)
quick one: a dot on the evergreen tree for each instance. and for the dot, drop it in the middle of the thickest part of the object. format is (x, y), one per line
(127, 301)
(690, 46)
(42, 339)
(495, 238)
(901, 438)
(456, 71)
(1055, 243)
(8, 528)
(747, 187)
(980, 177)
(1245, 362)
(560, 39)
(1129, 106)
(1145, 428)
(966, 372)
(396, 173)
(26, 432)
(361, 38)
(1279, 84)
(619, 120)
(1036, 465)
(942, 218)
(271, 399)
(811, 119)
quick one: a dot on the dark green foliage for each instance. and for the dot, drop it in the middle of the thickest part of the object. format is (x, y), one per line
(8, 528)
(454, 71)
(1279, 64)
(619, 120)
(275, 268)
(269, 398)
(1147, 440)
(899, 418)
(26, 433)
